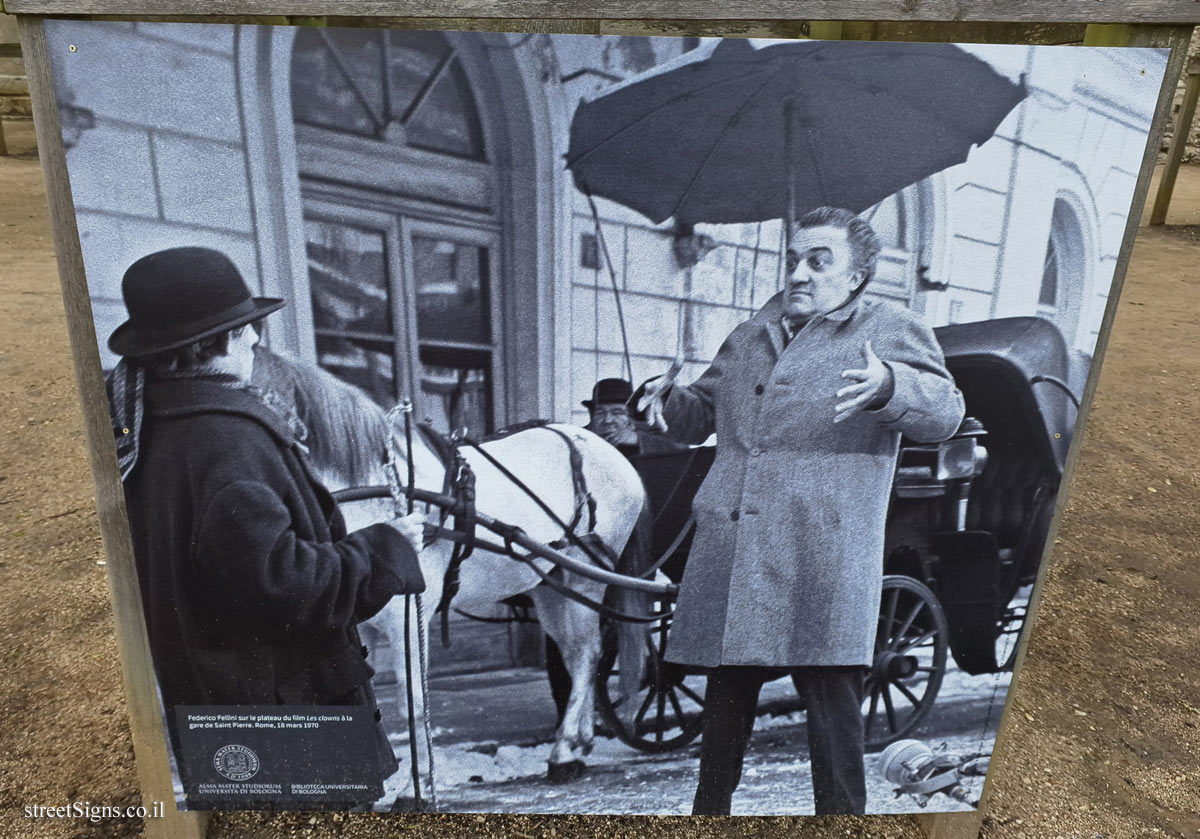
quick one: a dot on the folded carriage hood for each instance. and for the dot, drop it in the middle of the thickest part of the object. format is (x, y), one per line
(1011, 353)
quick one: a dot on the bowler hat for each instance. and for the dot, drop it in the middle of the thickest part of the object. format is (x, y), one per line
(181, 295)
(609, 392)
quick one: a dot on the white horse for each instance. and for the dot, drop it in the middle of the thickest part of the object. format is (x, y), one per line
(348, 437)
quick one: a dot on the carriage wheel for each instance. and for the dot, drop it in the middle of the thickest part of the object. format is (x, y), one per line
(910, 661)
(669, 713)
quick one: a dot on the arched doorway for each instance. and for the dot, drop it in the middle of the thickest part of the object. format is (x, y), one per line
(401, 178)
(1066, 271)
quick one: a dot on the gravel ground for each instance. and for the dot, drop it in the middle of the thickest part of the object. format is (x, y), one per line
(1103, 736)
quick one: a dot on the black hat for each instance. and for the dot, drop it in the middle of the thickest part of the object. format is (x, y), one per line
(181, 295)
(609, 392)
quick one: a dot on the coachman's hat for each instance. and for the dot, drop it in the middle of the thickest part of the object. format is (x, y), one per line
(181, 295)
(609, 392)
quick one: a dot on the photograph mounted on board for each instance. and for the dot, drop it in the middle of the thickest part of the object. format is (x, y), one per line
(591, 424)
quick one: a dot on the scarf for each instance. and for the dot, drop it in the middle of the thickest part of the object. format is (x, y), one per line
(125, 387)
(126, 390)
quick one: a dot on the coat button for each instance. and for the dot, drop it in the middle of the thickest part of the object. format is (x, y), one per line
(363, 650)
(755, 452)
(378, 715)
(758, 390)
(735, 515)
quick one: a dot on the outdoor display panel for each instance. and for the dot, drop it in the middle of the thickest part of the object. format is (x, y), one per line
(487, 224)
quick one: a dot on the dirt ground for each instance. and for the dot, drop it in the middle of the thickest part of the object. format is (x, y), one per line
(1103, 735)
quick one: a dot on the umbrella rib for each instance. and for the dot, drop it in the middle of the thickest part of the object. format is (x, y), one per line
(937, 116)
(716, 142)
(571, 161)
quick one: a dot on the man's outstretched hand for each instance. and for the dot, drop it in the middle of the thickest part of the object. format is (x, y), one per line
(872, 388)
(654, 397)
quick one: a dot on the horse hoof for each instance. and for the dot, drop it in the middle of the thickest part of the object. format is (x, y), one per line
(564, 773)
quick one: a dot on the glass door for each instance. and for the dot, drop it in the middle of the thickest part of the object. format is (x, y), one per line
(357, 290)
(393, 295)
(456, 319)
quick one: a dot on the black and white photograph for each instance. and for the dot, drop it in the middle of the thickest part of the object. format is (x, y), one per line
(539, 423)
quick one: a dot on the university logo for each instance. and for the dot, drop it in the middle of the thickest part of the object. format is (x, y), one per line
(237, 763)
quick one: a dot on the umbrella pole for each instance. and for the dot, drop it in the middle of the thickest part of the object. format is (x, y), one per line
(789, 151)
(683, 340)
(789, 214)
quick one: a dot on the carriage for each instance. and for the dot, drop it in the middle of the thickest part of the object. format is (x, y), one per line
(966, 530)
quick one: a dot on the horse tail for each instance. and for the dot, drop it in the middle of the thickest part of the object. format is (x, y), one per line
(631, 635)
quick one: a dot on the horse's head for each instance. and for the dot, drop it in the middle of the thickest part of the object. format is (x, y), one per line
(346, 433)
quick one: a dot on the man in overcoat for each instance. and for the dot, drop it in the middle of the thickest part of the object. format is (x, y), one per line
(251, 586)
(808, 399)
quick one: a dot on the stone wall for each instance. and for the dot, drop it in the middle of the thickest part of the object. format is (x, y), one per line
(162, 168)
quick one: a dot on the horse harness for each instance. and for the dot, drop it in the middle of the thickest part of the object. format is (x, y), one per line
(459, 484)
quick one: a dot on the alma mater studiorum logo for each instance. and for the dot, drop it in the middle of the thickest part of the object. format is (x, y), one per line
(237, 763)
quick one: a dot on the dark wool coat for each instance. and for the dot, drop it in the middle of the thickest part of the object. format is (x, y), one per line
(787, 563)
(252, 589)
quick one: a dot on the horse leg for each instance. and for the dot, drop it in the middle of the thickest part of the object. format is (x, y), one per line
(576, 630)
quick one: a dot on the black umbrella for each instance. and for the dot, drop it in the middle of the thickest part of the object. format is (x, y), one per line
(730, 133)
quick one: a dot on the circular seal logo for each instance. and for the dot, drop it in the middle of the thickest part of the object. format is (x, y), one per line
(237, 763)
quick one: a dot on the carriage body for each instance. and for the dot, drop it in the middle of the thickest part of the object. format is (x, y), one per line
(974, 533)
(966, 530)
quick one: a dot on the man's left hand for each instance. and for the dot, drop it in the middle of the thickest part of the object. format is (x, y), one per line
(872, 386)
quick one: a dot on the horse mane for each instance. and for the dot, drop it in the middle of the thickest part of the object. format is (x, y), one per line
(346, 433)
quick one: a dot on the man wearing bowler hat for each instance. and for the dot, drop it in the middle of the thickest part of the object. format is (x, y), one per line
(251, 586)
(610, 419)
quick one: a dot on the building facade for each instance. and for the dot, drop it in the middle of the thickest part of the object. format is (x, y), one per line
(405, 192)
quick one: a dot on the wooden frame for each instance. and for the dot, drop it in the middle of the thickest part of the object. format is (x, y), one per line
(1131, 12)
(1157, 23)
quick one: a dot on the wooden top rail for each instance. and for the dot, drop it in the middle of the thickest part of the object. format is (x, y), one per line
(1012, 11)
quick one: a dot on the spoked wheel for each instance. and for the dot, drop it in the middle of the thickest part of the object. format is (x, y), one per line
(666, 712)
(910, 661)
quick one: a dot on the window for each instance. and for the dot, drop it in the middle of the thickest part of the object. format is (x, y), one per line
(406, 87)
(352, 306)
(403, 250)
(454, 334)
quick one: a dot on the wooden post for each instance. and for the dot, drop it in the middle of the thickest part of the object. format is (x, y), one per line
(1183, 127)
(141, 686)
(8, 49)
(825, 30)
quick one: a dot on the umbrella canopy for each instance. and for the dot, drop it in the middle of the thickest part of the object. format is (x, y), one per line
(712, 136)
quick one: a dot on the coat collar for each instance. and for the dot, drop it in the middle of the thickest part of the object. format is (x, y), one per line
(188, 397)
(770, 318)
